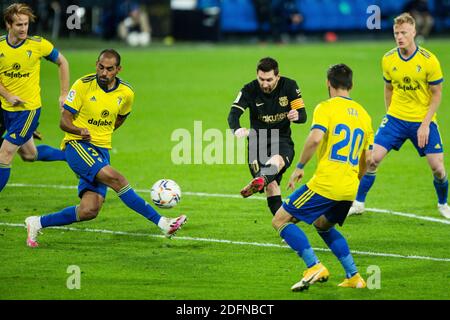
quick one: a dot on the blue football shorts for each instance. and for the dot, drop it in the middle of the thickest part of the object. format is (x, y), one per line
(20, 125)
(307, 206)
(86, 160)
(393, 132)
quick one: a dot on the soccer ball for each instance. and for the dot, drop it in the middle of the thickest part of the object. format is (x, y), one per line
(166, 193)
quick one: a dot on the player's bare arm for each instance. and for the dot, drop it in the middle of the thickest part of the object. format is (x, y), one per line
(311, 145)
(119, 121)
(66, 124)
(14, 100)
(293, 115)
(64, 77)
(297, 115)
(388, 90)
(424, 130)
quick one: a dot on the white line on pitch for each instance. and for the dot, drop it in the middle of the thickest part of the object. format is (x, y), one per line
(255, 244)
(218, 195)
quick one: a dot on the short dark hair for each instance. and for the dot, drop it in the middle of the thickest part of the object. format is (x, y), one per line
(110, 53)
(267, 64)
(340, 76)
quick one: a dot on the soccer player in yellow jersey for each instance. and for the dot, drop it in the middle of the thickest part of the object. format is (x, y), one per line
(412, 94)
(20, 62)
(342, 135)
(96, 105)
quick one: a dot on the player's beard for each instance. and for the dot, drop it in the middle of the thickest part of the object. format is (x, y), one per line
(329, 92)
(104, 82)
(267, 90)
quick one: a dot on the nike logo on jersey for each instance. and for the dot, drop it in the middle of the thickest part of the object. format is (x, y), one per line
(259, 104)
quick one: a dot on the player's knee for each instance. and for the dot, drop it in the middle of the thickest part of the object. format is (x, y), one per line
(275, 222)
(320, 227)
(373, 164)
(6, 158)
(439, 171)
(278, 161)
(28, 157)
(322, 224)
(278, 219)
(120, 182)
(117, 181)
(88, 212)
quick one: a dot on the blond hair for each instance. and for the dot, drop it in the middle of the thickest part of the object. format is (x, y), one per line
(404, 18)
(16, 9)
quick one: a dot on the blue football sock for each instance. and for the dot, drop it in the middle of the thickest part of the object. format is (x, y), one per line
(441, 186)
(297, 240)
(364, 186)
(338, 245)
(47, 153)
(5, 172)
(64, 217)
(135, 202)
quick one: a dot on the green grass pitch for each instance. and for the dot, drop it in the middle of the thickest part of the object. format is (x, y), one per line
(176, 86)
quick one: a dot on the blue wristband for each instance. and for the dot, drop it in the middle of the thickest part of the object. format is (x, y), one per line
(300, 165)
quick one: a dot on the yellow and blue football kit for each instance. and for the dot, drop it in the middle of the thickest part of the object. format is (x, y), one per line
(411, 79)
(20, 75)
(97, 110)
(20, 67)
(348, 133)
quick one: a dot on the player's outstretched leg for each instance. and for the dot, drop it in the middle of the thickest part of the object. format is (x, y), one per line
(34, 224)
(167, 225)
(267, 174)
(274, 203)
(366, 183)
(170, 226)
(47, 153)
(256, 185)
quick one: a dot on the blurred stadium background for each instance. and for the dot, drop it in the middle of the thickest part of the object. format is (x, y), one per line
(222, 20)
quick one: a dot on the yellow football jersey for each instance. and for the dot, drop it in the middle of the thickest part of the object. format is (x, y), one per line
(411, 79)
(20, 67)
(348, 132)
(97, 109)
